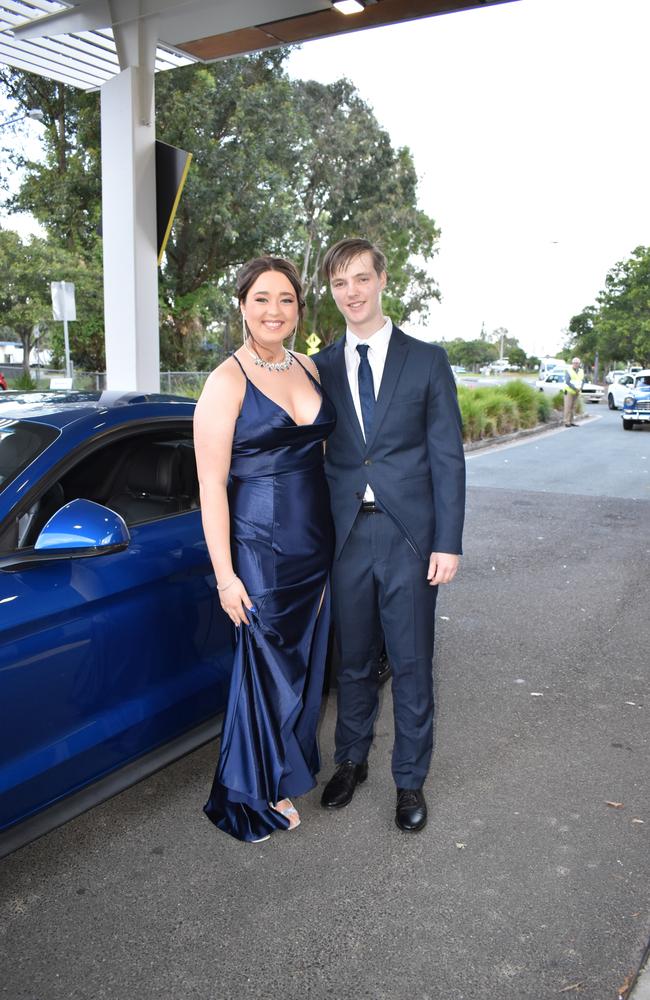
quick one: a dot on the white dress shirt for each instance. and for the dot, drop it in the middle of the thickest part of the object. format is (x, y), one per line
(378, 349)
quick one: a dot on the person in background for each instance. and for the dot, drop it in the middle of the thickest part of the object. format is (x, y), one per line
(574, 378)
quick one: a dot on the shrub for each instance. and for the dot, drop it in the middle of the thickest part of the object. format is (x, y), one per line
(23, 381)
(471, 411)
(543, 407)
(526, 399)
(499, 407)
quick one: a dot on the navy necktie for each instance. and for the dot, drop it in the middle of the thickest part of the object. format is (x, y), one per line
(366, 389)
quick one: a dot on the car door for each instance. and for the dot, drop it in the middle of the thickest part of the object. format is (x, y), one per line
(105, 658)
(621, 389)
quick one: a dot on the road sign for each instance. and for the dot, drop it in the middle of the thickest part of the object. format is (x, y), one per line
(63, 303)
(64, 309)
(313, 342)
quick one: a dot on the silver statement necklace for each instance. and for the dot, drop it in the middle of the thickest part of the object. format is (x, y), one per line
(272, 366)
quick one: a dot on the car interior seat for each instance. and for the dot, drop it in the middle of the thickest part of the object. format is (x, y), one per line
(150, 485)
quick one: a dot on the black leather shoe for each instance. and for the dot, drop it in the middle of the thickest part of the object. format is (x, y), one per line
(340, 788)
(384, 668)
(411, 813)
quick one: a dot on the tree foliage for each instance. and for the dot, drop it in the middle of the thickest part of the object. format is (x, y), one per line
(26, 269)
(618, 325)
(279, 166)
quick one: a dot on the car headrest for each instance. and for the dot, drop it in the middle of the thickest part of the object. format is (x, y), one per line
(154, 469)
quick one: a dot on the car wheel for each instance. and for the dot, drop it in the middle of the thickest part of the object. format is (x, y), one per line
(628, 425)
(610, 402)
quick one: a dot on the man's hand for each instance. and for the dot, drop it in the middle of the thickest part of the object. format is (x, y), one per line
(443, 567)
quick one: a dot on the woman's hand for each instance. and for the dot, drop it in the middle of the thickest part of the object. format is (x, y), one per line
(235, 601)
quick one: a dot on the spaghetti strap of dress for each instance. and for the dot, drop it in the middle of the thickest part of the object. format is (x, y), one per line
(305, 369)
(235, 358)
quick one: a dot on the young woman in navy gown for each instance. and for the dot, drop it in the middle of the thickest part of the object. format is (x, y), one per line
(259, 430)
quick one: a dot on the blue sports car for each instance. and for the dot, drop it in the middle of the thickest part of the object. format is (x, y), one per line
(115, 655)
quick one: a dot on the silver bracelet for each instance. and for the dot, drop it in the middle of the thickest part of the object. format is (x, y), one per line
(220, 589)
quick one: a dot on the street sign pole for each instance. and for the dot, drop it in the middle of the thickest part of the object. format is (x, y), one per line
(64, 309)
(66, 343)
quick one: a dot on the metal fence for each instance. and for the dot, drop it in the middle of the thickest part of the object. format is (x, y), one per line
(175, 383)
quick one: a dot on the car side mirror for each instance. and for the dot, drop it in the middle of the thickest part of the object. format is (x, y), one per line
(83, 524)
(78, 530)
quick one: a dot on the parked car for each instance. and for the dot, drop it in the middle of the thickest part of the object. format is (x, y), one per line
(3, 381)
(551, 384)
(614, 375)
(618, 389)
(591, 392)
(636, 405)
(555, 382)
(115, 655)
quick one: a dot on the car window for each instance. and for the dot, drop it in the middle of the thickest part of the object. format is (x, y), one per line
(21, 441)
(144, 476)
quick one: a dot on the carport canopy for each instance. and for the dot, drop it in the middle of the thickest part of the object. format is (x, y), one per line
(117, 46)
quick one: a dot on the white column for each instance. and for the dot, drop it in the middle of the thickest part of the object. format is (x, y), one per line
(129, 233)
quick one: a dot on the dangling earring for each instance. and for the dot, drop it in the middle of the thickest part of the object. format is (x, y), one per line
(244, 330)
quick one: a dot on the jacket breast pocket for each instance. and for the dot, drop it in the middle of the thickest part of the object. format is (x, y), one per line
(406, 400)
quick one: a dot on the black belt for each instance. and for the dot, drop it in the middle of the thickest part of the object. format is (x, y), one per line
(370, 507)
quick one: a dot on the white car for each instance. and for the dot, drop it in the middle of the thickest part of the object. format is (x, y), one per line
(551, 384)
(555, 382)
(614, 375)
(618, 390)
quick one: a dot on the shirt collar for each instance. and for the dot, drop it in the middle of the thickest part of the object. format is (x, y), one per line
(377, 342)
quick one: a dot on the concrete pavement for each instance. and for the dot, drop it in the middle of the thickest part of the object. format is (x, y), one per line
(531, 879)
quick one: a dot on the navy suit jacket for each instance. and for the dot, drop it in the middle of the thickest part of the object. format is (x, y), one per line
(414, 459)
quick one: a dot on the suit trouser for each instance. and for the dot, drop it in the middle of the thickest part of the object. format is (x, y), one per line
(379, 585)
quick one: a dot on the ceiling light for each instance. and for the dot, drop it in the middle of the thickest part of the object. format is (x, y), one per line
(348, 6)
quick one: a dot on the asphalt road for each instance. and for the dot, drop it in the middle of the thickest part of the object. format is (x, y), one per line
(597, 458)
(525, 885)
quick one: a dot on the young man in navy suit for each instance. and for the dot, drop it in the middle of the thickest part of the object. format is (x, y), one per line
(396, 473)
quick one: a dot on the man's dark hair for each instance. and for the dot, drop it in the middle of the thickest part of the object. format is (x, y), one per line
(342, 253)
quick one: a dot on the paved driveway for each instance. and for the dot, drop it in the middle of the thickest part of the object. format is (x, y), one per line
(526, 884)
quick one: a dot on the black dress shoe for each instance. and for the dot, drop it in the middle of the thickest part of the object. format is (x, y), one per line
(411, 813)
(384, 668)
(339, 789)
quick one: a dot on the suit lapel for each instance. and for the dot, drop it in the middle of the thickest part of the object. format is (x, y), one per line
(395, 358)
(342, 387)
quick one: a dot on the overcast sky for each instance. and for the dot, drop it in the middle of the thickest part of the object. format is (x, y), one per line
(528, 123)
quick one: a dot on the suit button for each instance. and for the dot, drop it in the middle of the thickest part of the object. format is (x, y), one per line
(367, 461)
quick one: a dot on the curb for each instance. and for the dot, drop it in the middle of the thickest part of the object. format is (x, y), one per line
(641, 984)
(551, 425)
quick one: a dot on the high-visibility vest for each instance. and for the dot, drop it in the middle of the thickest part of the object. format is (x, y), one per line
(574, 380)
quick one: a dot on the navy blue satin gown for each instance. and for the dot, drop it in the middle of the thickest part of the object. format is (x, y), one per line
(282, 543)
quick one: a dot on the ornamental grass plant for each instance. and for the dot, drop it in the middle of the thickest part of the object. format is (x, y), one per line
(491, 411)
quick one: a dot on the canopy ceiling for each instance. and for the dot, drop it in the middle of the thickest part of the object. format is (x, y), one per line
(74, 42)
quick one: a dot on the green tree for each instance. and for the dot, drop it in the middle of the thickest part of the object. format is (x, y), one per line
(26, 270)
(351, 181)
(618, 326)
(63, 190)
(517, 356)
(25, 301)
(470, 353)
(278, 167)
